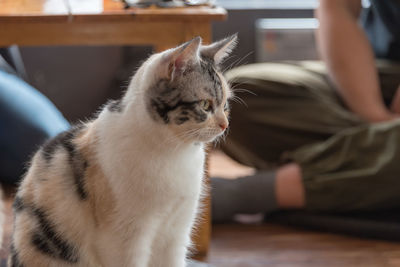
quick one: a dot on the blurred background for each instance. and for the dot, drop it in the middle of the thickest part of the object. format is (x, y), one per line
(79, 80)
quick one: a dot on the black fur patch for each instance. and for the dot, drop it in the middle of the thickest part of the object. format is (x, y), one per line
(62, 139)
(48, 241)
(181, 120)
(45, 238)
(163, 108)
(14, 258)
(115, 105)
(199, 115)
(79, 166)
(76, 160)
(216, 91)
(42, 244)
(166, 96)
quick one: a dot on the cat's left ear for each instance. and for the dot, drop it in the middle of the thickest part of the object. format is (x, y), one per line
(183, 57)
(218, 51)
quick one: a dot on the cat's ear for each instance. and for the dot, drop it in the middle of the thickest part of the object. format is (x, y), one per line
(218, 51)
(183, 57)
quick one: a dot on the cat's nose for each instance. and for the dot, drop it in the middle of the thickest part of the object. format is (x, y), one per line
(223, 126)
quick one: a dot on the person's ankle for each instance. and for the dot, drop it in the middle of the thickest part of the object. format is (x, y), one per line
(246, 195)
(289, 187)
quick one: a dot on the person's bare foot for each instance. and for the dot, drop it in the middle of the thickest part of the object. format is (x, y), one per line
(250, 192)
(220, 165)
(289, 186)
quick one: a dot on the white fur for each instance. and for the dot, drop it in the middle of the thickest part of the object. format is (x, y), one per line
(143, 181)
(156, 180)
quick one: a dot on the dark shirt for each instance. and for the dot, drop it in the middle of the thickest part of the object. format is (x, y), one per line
(381, 22)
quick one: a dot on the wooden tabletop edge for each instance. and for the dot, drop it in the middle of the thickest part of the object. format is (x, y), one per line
(133, 14)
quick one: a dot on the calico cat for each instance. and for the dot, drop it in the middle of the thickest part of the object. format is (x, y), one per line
(124, 188)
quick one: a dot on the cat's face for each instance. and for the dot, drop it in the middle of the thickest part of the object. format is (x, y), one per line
(190, 95)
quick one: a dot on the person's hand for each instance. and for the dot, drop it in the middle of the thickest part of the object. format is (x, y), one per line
(383, 115)
(395, 105)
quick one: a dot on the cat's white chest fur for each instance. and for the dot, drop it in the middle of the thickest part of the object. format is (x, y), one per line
(157, 191)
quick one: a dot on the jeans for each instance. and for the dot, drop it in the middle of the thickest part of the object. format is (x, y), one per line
(27, 119)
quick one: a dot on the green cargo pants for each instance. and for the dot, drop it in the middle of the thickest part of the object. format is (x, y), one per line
(295, 114)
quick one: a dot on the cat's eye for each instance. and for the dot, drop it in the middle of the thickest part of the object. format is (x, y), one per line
(226, 106)
(206, 105)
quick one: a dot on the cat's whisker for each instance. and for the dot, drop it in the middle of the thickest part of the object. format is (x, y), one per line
(228, 66)
(239, 100)
(235, 84)
(174, 139)
(242, 90)
(238, 61)
(181, 138)
(185, 137)
(236, 81)
(233, 80)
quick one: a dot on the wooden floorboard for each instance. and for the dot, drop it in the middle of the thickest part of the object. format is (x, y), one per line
(273, 245)
(278, 246)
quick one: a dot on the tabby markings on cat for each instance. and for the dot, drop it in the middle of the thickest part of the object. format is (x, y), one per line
(76, 161)
(124, 189)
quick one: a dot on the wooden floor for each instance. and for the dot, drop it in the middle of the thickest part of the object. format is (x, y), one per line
(273, 245)
(278, 246)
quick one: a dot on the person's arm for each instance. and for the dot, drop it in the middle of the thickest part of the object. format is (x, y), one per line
(345, 48)
(395, 105)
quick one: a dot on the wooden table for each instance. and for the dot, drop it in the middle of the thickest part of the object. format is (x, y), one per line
(98, 22)
(106, 22)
